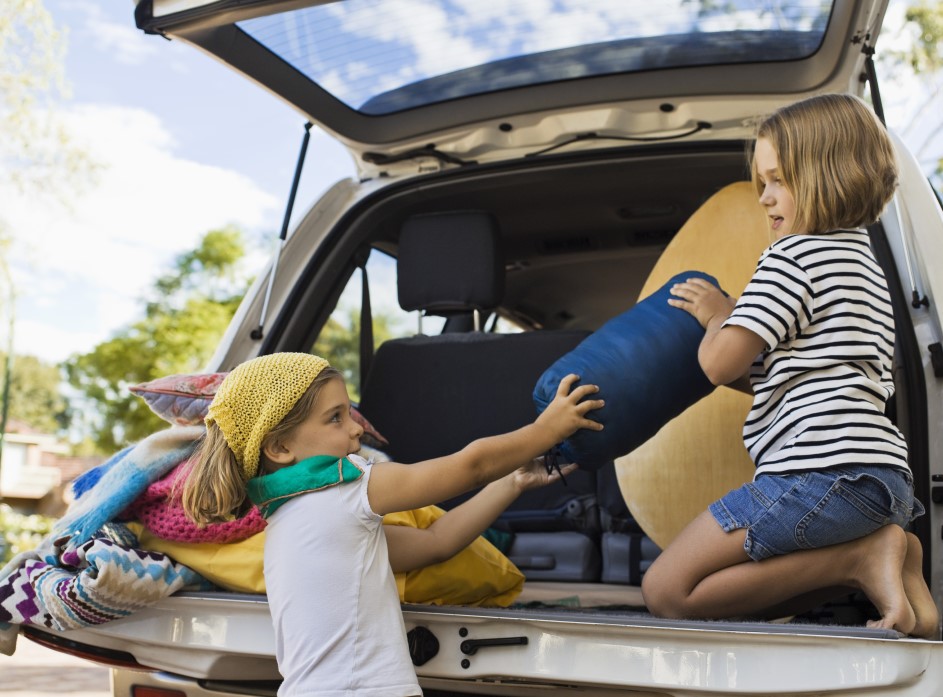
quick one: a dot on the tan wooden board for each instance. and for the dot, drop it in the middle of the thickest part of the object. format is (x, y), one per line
(698, 456)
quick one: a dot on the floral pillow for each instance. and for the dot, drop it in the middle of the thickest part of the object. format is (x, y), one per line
(184, 399)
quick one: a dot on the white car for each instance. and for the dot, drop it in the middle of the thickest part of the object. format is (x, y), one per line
(600, 146)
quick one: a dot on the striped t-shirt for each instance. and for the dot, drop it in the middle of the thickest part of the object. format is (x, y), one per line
(821, 304)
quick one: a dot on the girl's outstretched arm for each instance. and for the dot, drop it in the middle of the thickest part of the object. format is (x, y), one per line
(725, 353)
(396, 487)
(414, 548)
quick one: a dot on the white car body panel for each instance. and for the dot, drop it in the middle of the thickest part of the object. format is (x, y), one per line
(231, 638)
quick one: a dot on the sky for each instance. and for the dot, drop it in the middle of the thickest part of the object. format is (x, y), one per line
(186, 146)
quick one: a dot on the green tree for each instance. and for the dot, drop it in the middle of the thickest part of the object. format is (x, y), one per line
(35, 397)
(926, 24)
(183, 323)
(917, 49)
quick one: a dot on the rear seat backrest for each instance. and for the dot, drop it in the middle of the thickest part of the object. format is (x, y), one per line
(432, 395)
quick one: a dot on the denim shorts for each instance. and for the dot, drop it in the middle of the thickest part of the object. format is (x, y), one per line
(804, 510)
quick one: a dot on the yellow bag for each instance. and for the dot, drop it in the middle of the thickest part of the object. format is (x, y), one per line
(235, 566)
(479, 575)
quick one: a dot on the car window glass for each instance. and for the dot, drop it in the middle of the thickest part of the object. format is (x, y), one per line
(339, 339)
(385, 56)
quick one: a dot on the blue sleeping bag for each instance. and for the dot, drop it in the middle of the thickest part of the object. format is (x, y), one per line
(645, 363)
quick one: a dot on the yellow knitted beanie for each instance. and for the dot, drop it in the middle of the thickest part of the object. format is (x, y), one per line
(255, 397)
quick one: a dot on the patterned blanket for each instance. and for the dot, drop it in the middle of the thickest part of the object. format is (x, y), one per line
(122, 480)
(89, 570)
(100, 581)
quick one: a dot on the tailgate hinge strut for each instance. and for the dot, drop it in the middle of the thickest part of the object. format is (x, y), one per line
(257, 333)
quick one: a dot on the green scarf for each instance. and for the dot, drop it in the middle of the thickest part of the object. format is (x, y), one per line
(270, 491)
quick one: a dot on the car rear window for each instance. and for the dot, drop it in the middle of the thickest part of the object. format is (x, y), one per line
(384, 56)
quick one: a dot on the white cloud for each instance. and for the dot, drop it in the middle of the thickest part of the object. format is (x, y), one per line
(122, 41)
(80, 271)
(47, 341)
(392, 44)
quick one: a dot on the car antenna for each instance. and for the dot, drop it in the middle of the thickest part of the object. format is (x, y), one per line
(257, 333)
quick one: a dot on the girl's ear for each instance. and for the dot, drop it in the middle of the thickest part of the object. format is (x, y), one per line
(277, 452)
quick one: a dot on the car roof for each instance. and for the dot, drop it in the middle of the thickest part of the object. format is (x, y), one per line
(476, 80)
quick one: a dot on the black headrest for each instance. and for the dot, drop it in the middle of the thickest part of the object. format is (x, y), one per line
(450, 262)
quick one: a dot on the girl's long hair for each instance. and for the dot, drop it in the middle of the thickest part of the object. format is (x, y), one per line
(213, 490)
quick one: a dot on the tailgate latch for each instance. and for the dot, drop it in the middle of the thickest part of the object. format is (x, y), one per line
(470, 647)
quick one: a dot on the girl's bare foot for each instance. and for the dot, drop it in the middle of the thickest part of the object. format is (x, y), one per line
(928, 617)
(879, 573)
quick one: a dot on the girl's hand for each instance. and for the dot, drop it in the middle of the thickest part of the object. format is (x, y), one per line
(534, 474)
(702, 299)
(567, 412)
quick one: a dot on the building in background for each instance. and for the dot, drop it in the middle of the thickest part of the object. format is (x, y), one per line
(36, 471)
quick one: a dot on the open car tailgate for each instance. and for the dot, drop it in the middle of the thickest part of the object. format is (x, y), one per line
(230, 636)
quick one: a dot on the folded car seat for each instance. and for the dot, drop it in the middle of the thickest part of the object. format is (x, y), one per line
(432, 395)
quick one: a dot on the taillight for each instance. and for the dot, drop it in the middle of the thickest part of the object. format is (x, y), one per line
(142, 691)
(106, 657)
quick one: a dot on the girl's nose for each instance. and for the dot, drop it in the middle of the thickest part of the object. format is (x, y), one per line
(357, 430)
(766, 198)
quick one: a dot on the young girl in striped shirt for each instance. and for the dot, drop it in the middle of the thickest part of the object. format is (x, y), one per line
(812, 338)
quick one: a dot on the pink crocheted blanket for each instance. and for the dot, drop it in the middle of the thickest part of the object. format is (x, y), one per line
(162, 514)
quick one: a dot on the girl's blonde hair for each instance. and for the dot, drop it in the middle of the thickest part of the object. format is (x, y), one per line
(836, 159)
(214, 489)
